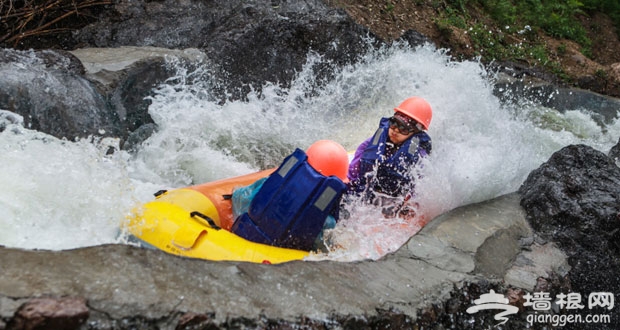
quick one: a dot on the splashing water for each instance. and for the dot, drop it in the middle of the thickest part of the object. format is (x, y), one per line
(59, 194)
(63, 194)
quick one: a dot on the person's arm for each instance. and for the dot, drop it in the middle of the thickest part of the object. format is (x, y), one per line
(409, 206)
(354, 166)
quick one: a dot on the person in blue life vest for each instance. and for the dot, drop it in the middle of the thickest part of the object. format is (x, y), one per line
(380, 171)
(300, 199)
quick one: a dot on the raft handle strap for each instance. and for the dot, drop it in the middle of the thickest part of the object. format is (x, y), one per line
(206, 218)
(161, 192)
(227, 196)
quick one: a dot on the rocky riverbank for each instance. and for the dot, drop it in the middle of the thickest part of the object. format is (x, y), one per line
(118, 286)
(455, 26)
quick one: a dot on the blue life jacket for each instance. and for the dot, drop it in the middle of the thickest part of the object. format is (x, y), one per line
(290, 208)
(392, 175)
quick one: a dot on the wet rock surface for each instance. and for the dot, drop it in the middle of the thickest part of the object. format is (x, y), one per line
(29, 87)
(129, 287)
(110, 88)
(539, 91)
(578, 191)
(51, 313)
(128, 76)
(614, 153)
(574, 200)
(249, 42)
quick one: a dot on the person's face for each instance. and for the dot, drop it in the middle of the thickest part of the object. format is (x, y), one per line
(399, 131)
(396, 136)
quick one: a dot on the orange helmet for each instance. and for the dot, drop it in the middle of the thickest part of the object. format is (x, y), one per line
(418, 109)
(328, 158)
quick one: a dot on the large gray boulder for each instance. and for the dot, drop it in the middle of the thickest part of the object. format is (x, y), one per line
(574, 197)
(574, 200)
(86, 92)
(48, 90)
(249, 43)
(127, 76)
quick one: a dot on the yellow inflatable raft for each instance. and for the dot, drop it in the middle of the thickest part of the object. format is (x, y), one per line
(195, 222)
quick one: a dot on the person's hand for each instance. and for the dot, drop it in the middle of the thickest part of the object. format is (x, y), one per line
(407, 212)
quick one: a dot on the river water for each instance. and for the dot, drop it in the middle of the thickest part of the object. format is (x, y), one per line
(62, 194)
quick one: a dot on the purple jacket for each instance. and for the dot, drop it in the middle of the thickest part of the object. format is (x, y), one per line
(354, 166)
(390, 176)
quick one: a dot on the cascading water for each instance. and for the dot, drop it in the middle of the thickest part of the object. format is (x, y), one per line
(61, 194)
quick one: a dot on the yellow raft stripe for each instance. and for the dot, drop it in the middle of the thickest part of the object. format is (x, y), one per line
(166, 223)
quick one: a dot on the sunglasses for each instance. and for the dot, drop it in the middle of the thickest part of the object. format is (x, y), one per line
(403, 128)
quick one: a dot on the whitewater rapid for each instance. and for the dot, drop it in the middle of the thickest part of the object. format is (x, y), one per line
(61, 194)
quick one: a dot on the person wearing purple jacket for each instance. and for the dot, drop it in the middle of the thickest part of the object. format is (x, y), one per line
(381, 166)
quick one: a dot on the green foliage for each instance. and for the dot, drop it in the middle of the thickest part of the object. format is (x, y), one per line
(561, 49)
(558, 18)
(609, 7)
(455, 18)
(601, 74)
(556, 68)
(458, 4)
(502, 11)
(539, 53)
(517, 24)
(451, 18)
(491, 45)
(486, 41)
(587, 50)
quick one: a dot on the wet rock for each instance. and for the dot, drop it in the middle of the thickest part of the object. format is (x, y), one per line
(135, 138)
(535, 263)
(50, 313)
(110, 89)
(128, 77)
(470, 241)
(614, 153)
(8, 118)
(129, 285)
(249, 43)
(525, 87)
(453, 313)
(575, 196)
(36, 85)
(195, 321)
(414, 38)
(574, 200)
(521, 73)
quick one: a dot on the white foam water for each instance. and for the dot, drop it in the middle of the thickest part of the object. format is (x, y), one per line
(62, 194)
